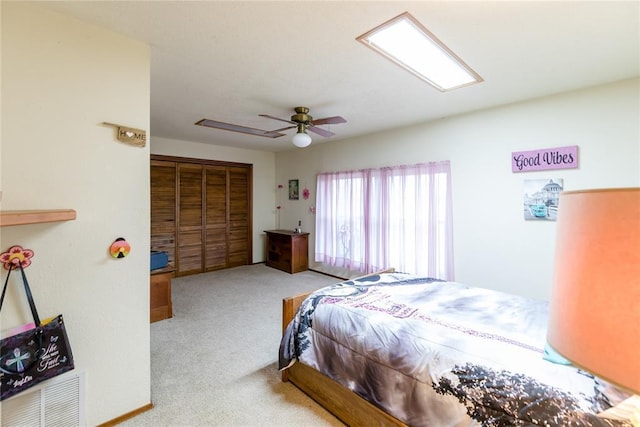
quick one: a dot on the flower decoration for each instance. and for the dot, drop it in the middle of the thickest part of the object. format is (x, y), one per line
(16, 255)
(305, 193)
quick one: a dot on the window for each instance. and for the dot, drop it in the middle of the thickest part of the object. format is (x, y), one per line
(368, 220)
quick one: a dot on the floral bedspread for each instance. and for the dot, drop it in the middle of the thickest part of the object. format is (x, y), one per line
(435, 353)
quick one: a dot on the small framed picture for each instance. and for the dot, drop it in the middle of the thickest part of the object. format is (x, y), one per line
(293, 189)
(541, 198)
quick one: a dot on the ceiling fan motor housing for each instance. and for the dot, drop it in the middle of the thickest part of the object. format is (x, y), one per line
(301, 116)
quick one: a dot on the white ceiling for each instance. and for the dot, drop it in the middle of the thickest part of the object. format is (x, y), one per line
(233, 60)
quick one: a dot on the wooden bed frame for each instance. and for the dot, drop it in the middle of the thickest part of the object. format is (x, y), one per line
(348, 406)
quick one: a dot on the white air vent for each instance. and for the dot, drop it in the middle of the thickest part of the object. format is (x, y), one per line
(57, 402)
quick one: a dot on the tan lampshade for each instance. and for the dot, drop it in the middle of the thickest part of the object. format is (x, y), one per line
(595, 303)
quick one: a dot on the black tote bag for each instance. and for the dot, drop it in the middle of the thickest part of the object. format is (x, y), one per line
(33, 355)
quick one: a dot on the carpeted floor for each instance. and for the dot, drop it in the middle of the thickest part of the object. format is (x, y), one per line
(215, 362)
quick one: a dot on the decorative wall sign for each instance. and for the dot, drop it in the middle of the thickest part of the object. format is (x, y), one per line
(540, 198)
(545, 159)
(132, 136)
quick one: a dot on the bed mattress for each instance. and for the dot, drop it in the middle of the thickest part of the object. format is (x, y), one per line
(435, 353)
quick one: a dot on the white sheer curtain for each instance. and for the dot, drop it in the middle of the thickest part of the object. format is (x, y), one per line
(400, 217)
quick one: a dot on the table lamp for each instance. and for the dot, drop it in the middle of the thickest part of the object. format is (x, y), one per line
(594, 318)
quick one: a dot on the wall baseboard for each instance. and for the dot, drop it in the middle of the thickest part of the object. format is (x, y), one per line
(328, 274)
(127, 416)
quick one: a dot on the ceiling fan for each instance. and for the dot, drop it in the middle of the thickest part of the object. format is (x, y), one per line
(303, 122)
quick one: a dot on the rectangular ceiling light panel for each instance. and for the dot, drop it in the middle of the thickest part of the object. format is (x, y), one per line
(409, 44)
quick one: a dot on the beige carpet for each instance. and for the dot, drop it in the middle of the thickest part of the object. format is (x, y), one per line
(215, 362)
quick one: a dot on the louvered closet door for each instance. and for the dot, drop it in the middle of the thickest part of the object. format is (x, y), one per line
(190, 224)
(163, 208)
(216, 218)
(208, 225)
(238, 237)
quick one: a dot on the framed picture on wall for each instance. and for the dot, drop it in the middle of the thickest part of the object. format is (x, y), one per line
(541, 198)
(293, 189)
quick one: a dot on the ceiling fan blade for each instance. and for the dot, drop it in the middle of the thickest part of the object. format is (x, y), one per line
(320, 131)
(281, 129)
(237, 128)
(276, 118)
(329, 121)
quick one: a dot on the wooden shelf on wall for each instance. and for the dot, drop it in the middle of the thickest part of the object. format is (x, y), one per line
(8, 218)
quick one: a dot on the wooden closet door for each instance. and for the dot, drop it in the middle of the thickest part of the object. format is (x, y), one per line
(216, 217)
(239, 217)
(190, 219)
(201, 213)
(163, 208)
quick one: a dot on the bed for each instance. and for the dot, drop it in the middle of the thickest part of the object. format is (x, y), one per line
(396, 349)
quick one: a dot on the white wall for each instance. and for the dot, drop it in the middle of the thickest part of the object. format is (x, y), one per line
(263, 179)
(494, 246)
(60, 80)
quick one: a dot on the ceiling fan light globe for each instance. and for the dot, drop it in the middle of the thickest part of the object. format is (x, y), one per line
(301, 140)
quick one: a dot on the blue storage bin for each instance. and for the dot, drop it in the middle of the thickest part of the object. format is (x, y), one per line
(159, 259)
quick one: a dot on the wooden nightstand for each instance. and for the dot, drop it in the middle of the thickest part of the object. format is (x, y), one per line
(287, 250)
(160, 294)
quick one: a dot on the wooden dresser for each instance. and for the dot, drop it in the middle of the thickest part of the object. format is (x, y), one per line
(287, 251)
(160, 294)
